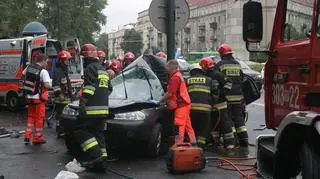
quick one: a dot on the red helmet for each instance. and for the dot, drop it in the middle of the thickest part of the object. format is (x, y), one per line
(101, 54)
(129, 56)
(224, 50)
(64, 55)
(115, 65)
(161, 54)
(206, 63)
(89, 50)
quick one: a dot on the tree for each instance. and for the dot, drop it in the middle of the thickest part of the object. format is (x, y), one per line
(73, 18)
(102, 42)
(15, 14)
(132, 41)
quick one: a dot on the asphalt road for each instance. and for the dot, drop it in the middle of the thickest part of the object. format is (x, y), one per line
(18, 161)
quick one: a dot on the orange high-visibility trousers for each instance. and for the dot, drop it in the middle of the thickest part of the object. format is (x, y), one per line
(36, 115)
(183, 122)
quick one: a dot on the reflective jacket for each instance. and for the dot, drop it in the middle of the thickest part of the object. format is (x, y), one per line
(225, 85)
(31, 84)
(61, 86)
(96, 90)
(181, 97)
(203, 92)
(232, 69)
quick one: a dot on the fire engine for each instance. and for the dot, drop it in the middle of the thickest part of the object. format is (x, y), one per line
(292, 88)
(15, 55)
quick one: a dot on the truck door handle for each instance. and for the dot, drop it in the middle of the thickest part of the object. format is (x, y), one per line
(304, 70)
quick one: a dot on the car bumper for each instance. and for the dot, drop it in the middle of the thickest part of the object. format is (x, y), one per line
(120, 132)
(117, 131)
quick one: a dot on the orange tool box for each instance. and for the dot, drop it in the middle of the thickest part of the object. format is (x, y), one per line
(185, 158)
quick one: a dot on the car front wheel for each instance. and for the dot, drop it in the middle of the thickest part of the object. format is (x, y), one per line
(155, 141)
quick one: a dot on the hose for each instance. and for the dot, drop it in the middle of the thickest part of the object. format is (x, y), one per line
(228, 163)
(119, 174)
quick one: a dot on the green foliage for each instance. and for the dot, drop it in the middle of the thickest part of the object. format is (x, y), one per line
(102, 42)
(291, 33)
(15, 14)
(63, 18)
(132, 42)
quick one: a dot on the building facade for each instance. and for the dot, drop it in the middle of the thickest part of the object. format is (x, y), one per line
(115, 38)
(214, 22)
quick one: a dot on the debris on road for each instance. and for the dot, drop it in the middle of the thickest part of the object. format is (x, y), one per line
(74, 166)
(66, 175)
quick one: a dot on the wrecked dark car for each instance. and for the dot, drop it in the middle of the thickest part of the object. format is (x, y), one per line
(134, 117)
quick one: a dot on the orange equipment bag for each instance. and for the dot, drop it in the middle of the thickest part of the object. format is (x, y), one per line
(185, 158)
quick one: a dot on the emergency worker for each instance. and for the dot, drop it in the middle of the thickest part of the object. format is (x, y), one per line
(62, 89)
(161, 54)
(128, 58)
(101, 56)
(223, 123)
(178, 99)
(93, 109)
(35, 88)
(232, 69)
(203, 93)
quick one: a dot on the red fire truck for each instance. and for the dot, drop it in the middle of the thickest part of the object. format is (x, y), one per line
(292, 88)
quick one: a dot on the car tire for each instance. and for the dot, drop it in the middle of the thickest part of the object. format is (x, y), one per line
(12, 101)
(310, 161)
(156, 141)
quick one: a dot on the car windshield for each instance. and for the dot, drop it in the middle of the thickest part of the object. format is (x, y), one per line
(74, 66)
(136, 84)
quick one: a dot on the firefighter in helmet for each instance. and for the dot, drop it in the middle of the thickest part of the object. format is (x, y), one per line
(232, 69)
(93, 110)
(161, 54)
(101, 56)
(128, 58)
(223, 123)
(203, 93)
(62, 88)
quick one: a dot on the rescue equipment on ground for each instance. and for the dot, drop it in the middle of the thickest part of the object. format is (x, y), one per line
(185, 158)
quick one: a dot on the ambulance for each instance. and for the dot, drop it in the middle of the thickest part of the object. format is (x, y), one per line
(15, 55)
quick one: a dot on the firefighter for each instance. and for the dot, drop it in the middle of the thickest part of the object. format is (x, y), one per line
(178, 99)
(93, 109)
(101, 56)
(128, 58)
(203, 93)
(223, 123)
(232, 69)
(35, 88)
(62, 89)
(161, 54)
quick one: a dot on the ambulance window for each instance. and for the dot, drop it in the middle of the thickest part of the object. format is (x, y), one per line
(298, 20)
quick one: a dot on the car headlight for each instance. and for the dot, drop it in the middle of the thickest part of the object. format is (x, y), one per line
(130, 116)
(69, 111)
(259, 76)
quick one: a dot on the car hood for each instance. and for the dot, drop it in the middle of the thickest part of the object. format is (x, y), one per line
(250, 72)
(123, 105)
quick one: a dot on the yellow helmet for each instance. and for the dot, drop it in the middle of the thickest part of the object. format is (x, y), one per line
(194, 66)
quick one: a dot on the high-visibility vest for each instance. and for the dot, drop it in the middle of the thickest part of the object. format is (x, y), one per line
(181, 98)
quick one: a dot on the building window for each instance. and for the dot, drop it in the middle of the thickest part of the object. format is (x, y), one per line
(215, 19)
(219, 19)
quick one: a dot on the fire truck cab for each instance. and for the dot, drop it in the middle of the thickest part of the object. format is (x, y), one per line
(292, 88)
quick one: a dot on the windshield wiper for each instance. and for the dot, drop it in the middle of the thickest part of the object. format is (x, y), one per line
(144, 72)
(124, 85)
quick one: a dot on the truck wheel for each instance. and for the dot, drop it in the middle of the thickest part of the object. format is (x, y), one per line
(12, 101)
(310, 161)
(155, 141)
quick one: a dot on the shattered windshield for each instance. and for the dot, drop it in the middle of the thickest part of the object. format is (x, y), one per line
(136, 84)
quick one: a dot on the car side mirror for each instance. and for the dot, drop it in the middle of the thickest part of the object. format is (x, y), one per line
(252, 22)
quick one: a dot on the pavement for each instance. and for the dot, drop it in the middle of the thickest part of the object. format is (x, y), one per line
(19, 161)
